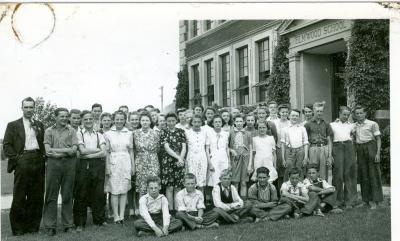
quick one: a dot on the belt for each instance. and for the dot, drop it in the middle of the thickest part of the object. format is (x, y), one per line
(368, 142)
(31, 151)
(318, 144)
(342, 142)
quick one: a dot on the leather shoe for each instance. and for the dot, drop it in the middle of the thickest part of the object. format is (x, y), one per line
(51, 232)
(20, 233)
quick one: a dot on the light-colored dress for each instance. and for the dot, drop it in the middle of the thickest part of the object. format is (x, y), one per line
(146, 147)
(196, 156)
(264, 147)
(218, 143)
(118, 143)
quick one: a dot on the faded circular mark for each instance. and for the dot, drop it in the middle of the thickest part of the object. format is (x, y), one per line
(33, 24)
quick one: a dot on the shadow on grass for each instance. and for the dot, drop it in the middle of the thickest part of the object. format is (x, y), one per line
(355, 224)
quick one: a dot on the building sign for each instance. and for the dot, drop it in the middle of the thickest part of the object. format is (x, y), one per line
(319, 33)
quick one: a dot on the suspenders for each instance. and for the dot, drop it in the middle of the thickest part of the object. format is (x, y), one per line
(98, 144)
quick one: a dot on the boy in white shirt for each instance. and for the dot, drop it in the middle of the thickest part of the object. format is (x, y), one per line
(153, 208)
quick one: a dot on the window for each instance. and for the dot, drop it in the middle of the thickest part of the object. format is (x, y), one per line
(210, 81)
(195, 28)
(243, 76)
(186, 24)
(263, 68)
(196, 85)
(226, 88)
(208, 24)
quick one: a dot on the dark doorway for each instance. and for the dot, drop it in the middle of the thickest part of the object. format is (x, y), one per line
(339, 93)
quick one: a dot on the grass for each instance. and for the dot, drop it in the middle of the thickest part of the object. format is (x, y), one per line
(7, 179)
(355, 224)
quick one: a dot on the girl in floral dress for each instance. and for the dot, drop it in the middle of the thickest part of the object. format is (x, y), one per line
(146, 147)
(119, 165)
(173, 143)
(196, 160)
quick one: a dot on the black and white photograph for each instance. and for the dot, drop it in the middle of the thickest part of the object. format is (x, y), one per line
(199, 120)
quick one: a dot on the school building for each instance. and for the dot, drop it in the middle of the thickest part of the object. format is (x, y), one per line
(229, 61)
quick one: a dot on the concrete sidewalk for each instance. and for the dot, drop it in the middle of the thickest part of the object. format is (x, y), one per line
(7, 199)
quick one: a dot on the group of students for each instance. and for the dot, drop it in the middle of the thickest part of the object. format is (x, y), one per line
(192, 157)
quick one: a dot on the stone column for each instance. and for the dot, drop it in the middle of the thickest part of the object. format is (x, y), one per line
(294, 74)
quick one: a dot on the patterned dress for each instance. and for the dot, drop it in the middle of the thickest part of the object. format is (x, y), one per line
(196, 156)
(171, 173)
(146, 147)
(118, 144)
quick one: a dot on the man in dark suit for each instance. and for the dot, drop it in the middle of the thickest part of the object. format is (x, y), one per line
(23, 146)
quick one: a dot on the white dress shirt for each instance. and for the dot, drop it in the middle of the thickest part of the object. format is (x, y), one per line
(216, 194)
(30, 136)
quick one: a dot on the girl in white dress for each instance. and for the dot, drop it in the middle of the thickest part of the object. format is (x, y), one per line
(218, 150)
(264, 147)
(119, 165)
(196, 160)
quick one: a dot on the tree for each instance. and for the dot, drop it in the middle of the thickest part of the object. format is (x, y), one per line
(279, 80)
(44, 112)
(182, 89)
(367, 65)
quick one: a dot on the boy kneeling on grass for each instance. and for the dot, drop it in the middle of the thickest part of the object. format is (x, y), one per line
(295, 193)
(153, 209)
(190, 204)
(326, 192)
(227, 201)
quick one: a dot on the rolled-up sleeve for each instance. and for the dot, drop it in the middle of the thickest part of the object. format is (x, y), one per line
(179, 202)
(165, 211)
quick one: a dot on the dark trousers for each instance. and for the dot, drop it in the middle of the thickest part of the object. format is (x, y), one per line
(330, 199)
(369, 172)
(89, 191)
(208, 218)
(174, 224)
(280, 169)
(27, 204)
(60, 174)
(227, 216)
(344, 172)
(279, 211)
(306, 208)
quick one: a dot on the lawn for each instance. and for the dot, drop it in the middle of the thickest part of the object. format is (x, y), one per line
(7, 179)
(353, 225)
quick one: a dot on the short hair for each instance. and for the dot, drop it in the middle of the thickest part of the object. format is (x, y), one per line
(359, 107)
(157, 110)
(123, 106)
(133, 113)
(189, 176)
(225, 172)
(238, 116)
(262, 170)
(60, 109)
(283, 106)
(230, 117)
(209, 108)
(293, 171)
(119, 112)
(343, 108)
(215, 117)
(28, 99)
(312, 166)
(141, 110)
(296, 110)
(151, 179)
(171, 114)
(74, 111)
(150, 106)
(97, 105)
(272, 102)
(262, 108)
(250, 115)
(180, 110)
(319, 104)
(85, 112)
(161, 115)
(105, 114)
(308, 106)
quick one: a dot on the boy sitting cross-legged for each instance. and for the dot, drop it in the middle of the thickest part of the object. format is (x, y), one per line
(153, 208)
(227, 201)
(326, 192)
(295, 193)
(190, 204)
(262, 195)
